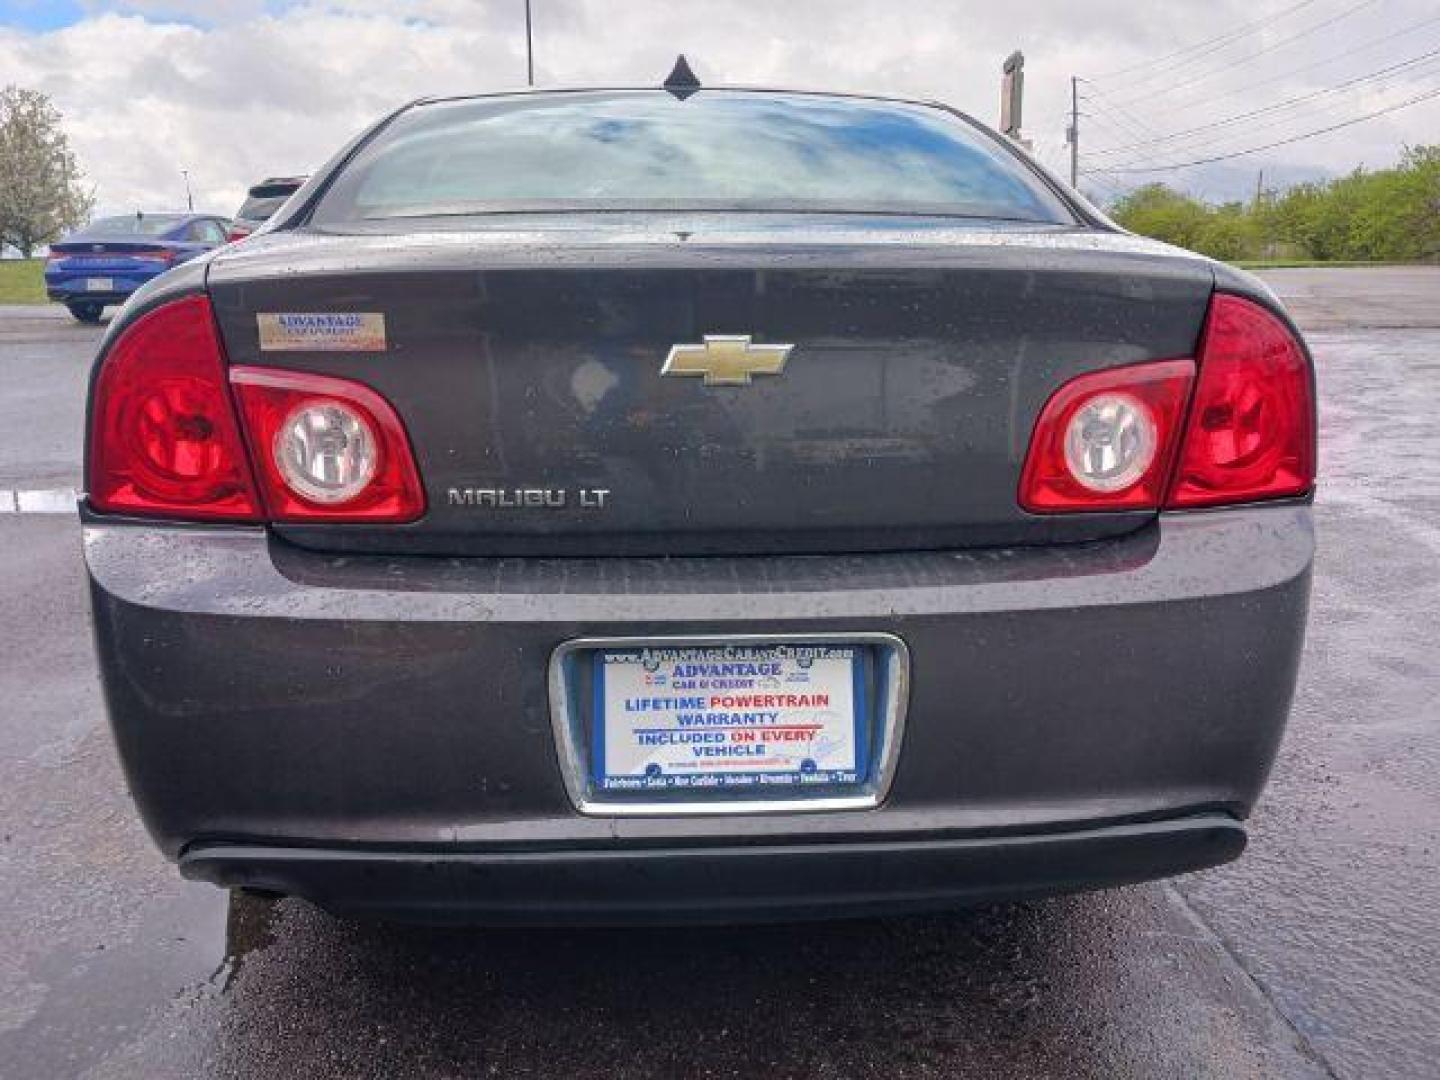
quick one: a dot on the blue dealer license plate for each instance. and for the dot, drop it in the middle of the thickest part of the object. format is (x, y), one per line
(729, 717)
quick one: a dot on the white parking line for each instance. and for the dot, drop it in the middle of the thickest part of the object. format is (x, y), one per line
(37, 501)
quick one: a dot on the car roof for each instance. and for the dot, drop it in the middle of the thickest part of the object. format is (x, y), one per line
(176, 218)
(277, 181)
(772, 91)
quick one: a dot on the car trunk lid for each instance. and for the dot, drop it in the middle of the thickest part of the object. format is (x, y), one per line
(529, 364)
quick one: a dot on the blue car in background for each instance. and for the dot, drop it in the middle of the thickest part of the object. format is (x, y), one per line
(107, 260)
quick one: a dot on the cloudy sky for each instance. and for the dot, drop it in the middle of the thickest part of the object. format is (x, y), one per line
(235, 90)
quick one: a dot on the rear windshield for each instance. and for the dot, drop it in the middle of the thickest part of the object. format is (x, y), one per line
(716, 150)
(134, 225)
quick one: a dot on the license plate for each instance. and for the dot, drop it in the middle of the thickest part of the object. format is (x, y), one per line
(99, 284)
(729, 717)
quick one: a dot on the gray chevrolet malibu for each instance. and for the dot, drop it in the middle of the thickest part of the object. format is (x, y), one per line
(681, 503)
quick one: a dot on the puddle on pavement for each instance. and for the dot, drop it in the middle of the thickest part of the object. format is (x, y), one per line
(89, 1000)
(249, 928)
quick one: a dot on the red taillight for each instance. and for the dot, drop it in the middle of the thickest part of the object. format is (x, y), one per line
(237, 232)
(1124, 439)
(1105, 441)
(1251, 433)
(327, 449)
(163, 435)
(160, 255)
(165, 439)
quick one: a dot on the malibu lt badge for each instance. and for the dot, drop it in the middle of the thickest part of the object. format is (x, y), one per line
(527, 498)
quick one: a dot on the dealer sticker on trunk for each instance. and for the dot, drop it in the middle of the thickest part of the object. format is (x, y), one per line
(321, 331)
(731, 716)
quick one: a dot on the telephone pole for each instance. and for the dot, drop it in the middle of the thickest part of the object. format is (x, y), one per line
(1074, 132)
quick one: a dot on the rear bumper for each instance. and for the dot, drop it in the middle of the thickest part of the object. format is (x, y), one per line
(80, 296)
(73, 291)
(722, 883)
(272, 705)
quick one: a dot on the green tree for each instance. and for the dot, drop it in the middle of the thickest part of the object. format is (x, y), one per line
(1163, 213)
(1229, 233)
(1285, 219)
(1397, 213)
(41, 196)
(1386, 215)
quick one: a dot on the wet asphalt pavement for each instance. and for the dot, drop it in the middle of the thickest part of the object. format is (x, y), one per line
(1317, 954)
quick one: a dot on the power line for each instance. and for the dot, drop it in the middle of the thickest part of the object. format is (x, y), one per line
(1312, 112)
(1172, 166)
(1250, 87)
(1072, 132)
(1118, 186)
(1115, 124)
(1097, 175)
(1057, 151)
(1169, 72)
(1150, 138)
(1106, 101)
(1100, 169)
(1276, 107)
(1111, 123)
(1103, 195)
(1225, 38)
(1203, 76)
(1049, 153)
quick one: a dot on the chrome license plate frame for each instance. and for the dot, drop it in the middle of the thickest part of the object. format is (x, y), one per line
(884, 696)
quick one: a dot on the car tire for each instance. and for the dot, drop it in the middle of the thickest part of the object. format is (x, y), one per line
(86, 312)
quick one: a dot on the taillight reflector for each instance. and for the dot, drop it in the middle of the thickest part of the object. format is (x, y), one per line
(1105, 440)
(160, 255)
(1125, 438)
(166, 441)
(163, 435)
(1251, 432)
(327, 449)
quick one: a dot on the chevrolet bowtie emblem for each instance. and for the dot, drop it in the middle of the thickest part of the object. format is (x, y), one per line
(726, 359)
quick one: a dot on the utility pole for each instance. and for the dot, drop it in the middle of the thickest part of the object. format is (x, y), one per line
(189, 198)
(1074, 132)
(529, 49)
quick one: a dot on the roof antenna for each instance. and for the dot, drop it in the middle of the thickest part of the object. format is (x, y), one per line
(681, 81)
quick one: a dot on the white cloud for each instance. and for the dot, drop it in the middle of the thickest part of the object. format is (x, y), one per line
(238, 90)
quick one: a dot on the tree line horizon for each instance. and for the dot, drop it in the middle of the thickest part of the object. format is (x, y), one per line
(1367, 215)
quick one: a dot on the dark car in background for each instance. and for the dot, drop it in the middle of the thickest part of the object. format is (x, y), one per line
(110, 258)
(685, 504)
(261, 202)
